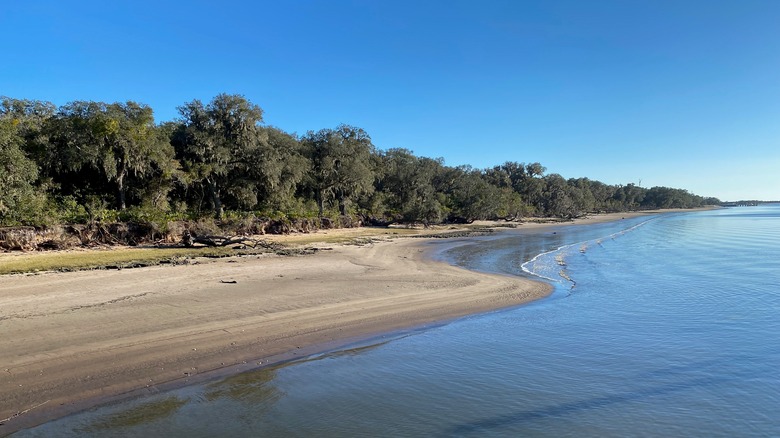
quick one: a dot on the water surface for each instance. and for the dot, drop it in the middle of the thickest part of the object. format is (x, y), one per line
(658, 327)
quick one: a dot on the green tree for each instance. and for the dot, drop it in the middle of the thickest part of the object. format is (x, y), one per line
(666, 197)
(29, 118)
(17, 176)
(582, 195)
(470, 196)
(217, 140)
(408, 183)
(557, 201)
(602, 195)
(340, 165)
(629, 196)
(510, 205)
(279, 168)
(524, 180)
(117, 140)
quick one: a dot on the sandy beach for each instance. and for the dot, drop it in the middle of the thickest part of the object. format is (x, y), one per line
(70, 340)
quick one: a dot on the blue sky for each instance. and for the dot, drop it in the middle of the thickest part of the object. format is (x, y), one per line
(675, 93)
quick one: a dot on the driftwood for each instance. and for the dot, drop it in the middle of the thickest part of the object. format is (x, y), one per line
(189, 240)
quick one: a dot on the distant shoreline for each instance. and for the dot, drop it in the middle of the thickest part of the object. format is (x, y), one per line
(74, 340)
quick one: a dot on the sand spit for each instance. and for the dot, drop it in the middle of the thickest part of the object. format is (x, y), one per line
(71, 339)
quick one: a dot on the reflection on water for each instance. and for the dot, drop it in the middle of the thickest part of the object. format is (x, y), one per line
(144, 413)
(224, 407)
(257, 387)
(253, 387)
(672, 330)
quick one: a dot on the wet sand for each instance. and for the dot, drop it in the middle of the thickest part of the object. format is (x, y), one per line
(70, 340)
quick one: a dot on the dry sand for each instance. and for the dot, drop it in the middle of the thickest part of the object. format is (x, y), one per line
(69, 340)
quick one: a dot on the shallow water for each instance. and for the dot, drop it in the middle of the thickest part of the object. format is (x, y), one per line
(658, 327)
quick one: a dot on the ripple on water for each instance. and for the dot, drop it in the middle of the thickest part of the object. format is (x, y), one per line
(671, 330)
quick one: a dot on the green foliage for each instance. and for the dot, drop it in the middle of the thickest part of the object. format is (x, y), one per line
(340, 165)
(406, 185)
(119, 141)
(19, 202)
(71, 211)
(277, 169)
(222, 148)
(472, 198)
(96, 162)
(99, 211)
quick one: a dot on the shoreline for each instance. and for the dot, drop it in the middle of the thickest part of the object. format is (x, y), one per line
(76, 340)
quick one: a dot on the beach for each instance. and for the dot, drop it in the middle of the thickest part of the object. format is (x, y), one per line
(73, 340)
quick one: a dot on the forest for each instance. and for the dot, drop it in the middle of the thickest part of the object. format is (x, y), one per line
(86, 162)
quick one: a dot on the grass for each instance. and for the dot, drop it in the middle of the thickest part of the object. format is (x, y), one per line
(113, 258)
(105, 258)
(135, 257)
(116, 258)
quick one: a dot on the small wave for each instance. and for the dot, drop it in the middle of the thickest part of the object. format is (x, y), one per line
(526, 267)
(541, 267)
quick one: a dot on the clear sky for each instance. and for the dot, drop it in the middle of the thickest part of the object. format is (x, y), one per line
(681, 93)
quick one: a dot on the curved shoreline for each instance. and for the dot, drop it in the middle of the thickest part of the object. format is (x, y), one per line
(72, 340)
(75, 340)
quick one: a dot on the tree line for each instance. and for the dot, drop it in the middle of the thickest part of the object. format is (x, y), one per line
(86, 161)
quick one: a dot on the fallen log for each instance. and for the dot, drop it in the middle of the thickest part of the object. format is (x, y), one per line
(189, 240)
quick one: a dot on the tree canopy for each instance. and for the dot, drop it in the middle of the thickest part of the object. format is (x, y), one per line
(61, 164)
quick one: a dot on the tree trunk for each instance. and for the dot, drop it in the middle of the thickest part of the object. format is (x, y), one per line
(342, 205)
(320, 202)
(216, 202)
(120, 182)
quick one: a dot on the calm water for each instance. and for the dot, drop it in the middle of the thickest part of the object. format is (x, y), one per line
(660, 327)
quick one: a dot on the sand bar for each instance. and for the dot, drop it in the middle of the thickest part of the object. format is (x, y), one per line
(69, 340)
